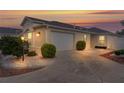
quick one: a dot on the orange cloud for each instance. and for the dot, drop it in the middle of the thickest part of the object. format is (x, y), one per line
(14, 18)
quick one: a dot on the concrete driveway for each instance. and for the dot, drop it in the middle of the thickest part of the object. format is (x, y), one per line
(75, 67)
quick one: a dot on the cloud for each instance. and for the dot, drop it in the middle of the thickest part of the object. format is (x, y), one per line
(8, 18)
(109, 12)
(99, 22)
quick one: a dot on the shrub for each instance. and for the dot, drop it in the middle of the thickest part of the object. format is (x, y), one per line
(31, 53)
(17, 51)
(119, 52)
(80, 45)
(11, 46)
(0, 44)
(48, 51)
(26, 47)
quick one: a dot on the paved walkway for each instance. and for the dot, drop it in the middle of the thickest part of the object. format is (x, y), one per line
(74, 67)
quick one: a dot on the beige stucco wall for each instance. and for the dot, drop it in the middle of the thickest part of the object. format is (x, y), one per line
(80, 36)
(88, 41)
(77, 36)
(115, 42)
(112, 42)
(95, 40)
(36, 41)
(45, 37)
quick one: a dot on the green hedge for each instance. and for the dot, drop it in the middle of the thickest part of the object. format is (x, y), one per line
(13, 46)
(48, 50)
(119, 52)
(80, 45)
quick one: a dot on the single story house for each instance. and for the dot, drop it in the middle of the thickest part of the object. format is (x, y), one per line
(106, 39)
(64, 36)
(7, 31)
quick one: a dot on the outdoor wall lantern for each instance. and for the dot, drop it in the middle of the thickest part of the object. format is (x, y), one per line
(22, 38)
(38, 34)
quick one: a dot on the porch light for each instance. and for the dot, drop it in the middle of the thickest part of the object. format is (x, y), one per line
(38, 34)
(22, 38)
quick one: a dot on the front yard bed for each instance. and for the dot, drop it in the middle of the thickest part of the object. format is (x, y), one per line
(109, 55)
(10, 66)
(11, 72)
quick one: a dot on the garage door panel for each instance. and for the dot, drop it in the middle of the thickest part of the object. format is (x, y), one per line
(62, 41)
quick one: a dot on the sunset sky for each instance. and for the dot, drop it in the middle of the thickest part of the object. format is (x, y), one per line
(106, 19)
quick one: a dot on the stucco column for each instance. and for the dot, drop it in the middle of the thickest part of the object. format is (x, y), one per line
(47, 35)
(32, 39)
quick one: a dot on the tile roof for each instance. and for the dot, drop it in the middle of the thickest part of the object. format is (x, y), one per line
(8, 30)
(100, 31)
(67, 26)
(53, 23)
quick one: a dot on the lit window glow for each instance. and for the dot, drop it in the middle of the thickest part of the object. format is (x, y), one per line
(101, 38)
(29, 35)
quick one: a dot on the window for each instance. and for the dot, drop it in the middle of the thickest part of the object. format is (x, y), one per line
(29, 35)
(102, 39)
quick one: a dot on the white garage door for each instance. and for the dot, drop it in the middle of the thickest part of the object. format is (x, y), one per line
(62, 41)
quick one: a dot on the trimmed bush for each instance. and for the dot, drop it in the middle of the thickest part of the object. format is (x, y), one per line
(31, 53)
(80, 45)
(119, 52)
(48, 50)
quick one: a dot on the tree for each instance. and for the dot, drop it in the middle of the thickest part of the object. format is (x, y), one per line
(122, 22)
(11, 46)
(121, 32)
